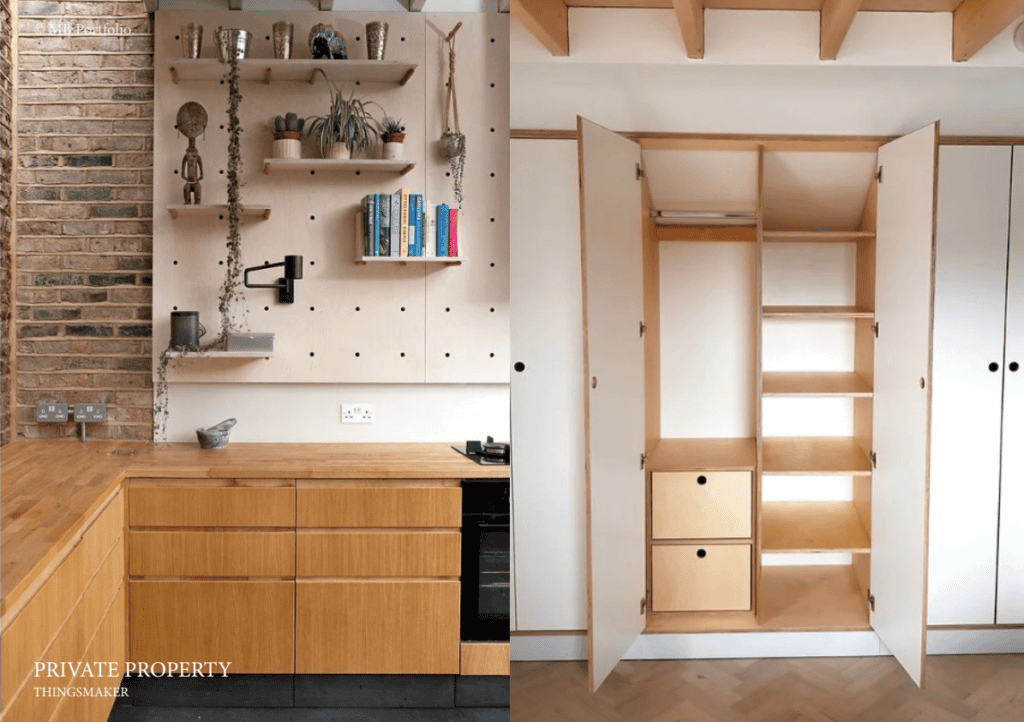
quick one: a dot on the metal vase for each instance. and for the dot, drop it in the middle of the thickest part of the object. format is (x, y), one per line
(283, 34)
(233, 42)
(191, 40)
(376, 40)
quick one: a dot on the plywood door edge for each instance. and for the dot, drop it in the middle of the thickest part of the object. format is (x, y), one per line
(759, 390)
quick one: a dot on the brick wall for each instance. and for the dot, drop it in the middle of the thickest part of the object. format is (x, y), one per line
(84, 214)
(6, 219)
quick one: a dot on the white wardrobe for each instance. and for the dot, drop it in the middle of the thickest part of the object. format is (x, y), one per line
(976, 538)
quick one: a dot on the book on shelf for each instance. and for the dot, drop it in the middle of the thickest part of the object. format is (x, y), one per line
(396, 222)
(384, 235)
(453, 232)
(442, 229)
(429, 230)
(417, 225)
(404, 227)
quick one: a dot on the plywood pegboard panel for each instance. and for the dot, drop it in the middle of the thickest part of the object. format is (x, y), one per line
(467, 308)
(350, 323)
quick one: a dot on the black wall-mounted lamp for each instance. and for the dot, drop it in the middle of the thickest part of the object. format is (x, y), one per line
(286, 286)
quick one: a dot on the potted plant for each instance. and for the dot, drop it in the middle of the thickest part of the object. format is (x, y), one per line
(287, 136)
(348, 127)
(393, 135)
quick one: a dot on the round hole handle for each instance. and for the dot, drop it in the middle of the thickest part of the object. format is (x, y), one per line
(520, 366)
(993, 367)
(1014, 365)
(702, 480)
(701, 553)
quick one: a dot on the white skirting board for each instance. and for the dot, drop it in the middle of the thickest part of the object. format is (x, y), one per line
(975, 641)
(553, 648)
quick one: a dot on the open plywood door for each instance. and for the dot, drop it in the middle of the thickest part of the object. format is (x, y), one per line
(611, 235)
(905, 273)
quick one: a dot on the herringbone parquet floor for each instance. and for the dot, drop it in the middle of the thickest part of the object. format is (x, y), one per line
(979, 688)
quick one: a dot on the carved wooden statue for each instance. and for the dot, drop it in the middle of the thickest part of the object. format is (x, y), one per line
(192, 121)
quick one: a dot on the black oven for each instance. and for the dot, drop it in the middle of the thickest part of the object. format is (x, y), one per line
(486, 560)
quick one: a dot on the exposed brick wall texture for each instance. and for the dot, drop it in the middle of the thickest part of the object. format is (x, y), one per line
(6, 217)
(85, 229)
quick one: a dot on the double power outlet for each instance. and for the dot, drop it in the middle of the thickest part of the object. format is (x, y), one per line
(358, 413)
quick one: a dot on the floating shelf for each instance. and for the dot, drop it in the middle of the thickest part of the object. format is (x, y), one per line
(271, 70)
(219, 354)
(201, 211)
(802, 455)
(827, 312)
(817, 236)
(814, 384)
(813, 526)
(401, 167)
(444, 260)
(703, 455)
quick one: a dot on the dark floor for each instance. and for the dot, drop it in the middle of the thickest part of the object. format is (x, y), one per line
(314, 698)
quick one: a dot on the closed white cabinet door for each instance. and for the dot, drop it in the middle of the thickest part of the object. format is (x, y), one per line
(970, 297)
(1010, 597)
(548, 486)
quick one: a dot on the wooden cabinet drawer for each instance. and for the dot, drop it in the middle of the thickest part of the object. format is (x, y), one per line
(380, 506)
(211, 553)
(379, 554)
(211, 506)
(701, 505)
(485, 659)
(377, 627)
(690, 577)
(247, 623)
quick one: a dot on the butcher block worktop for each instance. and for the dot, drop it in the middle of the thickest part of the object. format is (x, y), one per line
(53, 490)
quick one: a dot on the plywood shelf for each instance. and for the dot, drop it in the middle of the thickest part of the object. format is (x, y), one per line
(703, 455)
(812, 526)
(817, 236)
(825, 312)
(791, 598)
(443, 260)
(809, 455)
(269, 70)
(361, 165)
(197, 355)
(218, 211)
(779, 383)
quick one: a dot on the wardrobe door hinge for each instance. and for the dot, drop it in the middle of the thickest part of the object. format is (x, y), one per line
(878, 174)
(639, 171)
(643, 461)
(643, 327)
(643, 605)
(875, 327)
(871, 600)
(874, 460)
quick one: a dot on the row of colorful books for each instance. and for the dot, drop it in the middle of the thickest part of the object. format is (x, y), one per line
(403, 225)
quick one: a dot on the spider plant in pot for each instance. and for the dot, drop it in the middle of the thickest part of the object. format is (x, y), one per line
(348, 128)
(393, 135)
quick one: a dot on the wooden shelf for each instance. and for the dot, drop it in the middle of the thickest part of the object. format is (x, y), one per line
(791, 598)
(812, 526)
(814, 384)
(444, 260)
(363, 165)
(703, 455)
(816, 236)
(827, 312)
(194, 355)
(183, 211)
(803, 455)
(303, 70)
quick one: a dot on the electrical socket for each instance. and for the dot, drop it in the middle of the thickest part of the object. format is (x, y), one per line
(51, 412)
(91, 412)
(357, 413)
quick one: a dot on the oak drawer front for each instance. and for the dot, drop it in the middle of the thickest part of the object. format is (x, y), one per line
(247, 623)
(379, 554)
(377, 627)
(701, 505)
(211, 506)
(485, 659)
(691, 578)
(211, 553)
(420, 506)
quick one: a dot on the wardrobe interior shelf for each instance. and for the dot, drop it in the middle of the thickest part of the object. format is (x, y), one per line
(817, 236)
(367, 165)
(268, 70)
(784, 383)
(444, 260)
(704, 455)
(827, 312)
(196, 355)
(813, 526)
(791, 598)
(220, 211)
(814, 455)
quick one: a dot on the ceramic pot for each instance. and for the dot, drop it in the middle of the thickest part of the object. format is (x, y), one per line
(393, 150)
(287, 144)
(339, 151)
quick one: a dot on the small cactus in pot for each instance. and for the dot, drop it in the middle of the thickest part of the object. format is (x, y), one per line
(393, 135)
(288, 136)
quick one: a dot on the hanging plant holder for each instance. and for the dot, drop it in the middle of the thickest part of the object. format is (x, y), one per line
(453, 141)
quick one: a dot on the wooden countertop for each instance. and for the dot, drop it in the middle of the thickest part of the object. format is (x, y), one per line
(50, 490)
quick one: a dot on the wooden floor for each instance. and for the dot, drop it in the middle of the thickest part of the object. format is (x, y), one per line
(981, 688)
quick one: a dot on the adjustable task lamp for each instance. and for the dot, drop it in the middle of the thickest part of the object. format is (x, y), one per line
(286, 286)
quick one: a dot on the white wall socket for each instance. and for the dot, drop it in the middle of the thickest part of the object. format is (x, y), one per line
(357, 413)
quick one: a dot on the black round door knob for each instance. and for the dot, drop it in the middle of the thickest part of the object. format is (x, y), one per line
(701, 553)
(702, 480)
(520, 366)
(993, 366)
(1014, 365)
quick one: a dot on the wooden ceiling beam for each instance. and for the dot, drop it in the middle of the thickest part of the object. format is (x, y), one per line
(327, 4)
(547, 20)
(836, 18)
(690, 14)
(976, 22)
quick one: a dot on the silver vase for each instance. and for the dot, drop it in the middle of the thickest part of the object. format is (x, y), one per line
(376, 40)
(232, 42)
(191, 40)
(283, 33)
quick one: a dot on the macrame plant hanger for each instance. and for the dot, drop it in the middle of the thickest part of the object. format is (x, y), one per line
(453, 143)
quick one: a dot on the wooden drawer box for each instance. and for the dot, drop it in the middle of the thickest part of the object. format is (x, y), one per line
(691, 578)
(211, 506)
(211, 553)
(379, 554)
(701, 505)
(379, 506)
